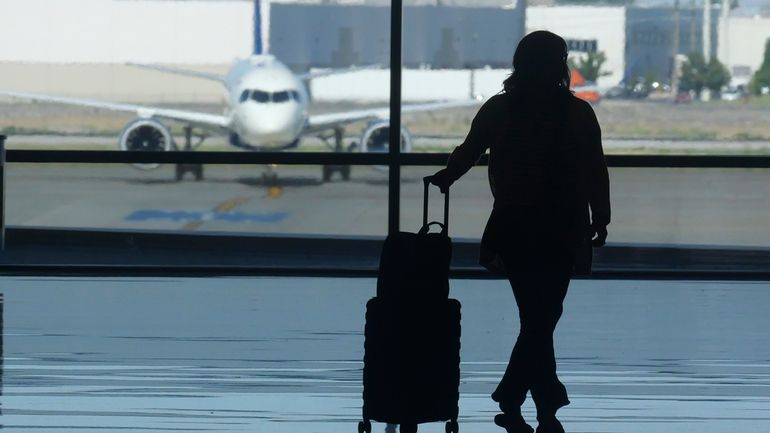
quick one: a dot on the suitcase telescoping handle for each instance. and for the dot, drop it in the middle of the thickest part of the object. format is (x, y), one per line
(425, 225)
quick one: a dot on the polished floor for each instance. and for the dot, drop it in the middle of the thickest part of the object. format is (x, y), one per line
(282, 355)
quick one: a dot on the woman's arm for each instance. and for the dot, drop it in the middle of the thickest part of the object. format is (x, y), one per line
(598, 178)
(465, 156)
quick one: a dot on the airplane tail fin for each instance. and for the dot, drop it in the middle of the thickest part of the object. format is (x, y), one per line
(258, 48)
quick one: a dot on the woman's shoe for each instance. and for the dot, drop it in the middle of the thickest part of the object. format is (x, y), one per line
(512, 423)
(550, 425)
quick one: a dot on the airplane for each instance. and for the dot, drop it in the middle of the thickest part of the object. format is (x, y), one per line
(267, 110)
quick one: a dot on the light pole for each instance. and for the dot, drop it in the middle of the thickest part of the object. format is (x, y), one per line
(706, 94)
(675, 52)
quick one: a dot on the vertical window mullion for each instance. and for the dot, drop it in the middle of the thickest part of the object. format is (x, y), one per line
(394, 167)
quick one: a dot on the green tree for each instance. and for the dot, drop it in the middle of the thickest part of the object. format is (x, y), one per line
(761, 78)
(717, 76)
(698, 75)
(693, 70)
(590, 65)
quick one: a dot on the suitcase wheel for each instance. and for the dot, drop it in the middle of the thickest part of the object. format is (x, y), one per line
(452, 427)
(365, 427)
(407, 428)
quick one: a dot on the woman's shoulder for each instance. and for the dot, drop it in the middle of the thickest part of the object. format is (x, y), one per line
(582, 119)
(498, 102)
(493, 108)
(581, 108)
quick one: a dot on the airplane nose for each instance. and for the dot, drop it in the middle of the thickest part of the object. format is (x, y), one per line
(270, 127)
(273, 124)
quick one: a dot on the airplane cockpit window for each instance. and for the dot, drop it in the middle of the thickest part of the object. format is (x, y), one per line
(260, 96)
(294, 95)
(244, 96)
(282, 96)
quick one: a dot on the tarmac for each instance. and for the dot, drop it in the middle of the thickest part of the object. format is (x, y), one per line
(282, 355)
(683, 206)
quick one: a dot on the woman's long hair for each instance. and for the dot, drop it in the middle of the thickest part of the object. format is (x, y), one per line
(539, 66)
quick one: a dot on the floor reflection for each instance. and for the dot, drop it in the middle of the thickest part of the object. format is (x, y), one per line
(2, 357)
(284, 355)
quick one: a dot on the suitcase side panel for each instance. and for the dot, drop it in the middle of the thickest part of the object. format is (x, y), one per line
(412, 361)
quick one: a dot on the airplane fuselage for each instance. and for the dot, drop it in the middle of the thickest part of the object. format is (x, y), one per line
(267, 103)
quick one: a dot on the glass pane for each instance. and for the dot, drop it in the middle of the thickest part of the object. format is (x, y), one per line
(172, 76)
(645, 86)
(456, 56)
(237, 199)
(668, 206)
(346, 48)
(97, 54)
(469, 205)
(691, 206)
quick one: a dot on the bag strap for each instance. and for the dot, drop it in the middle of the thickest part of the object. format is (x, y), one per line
(425, 225)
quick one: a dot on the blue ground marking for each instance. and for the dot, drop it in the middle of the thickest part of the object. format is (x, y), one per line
(233, 217)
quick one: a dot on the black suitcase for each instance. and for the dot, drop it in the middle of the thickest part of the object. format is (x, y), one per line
(412, 334)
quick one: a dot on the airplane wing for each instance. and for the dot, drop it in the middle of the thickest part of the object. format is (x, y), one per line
(178, 71)
(326, 73)
(321, 122)
(204, 120)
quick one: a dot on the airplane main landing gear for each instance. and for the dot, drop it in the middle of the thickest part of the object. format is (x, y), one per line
(344, 170)
(329, 170)
(195, 169)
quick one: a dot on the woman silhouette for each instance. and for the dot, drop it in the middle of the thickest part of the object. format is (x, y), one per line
(551, 197)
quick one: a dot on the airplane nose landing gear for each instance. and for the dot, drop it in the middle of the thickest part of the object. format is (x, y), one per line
(270, 176)
(344, 170)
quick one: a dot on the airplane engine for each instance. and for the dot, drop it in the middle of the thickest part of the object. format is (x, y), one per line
(377, 136)
(146, 135)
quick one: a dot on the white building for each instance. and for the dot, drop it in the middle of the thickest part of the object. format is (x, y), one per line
(742, 44)
(604, 25)
(81, 47)
(114, 31)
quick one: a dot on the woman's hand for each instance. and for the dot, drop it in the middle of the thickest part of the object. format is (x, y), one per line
(441, 179)
(598, 235)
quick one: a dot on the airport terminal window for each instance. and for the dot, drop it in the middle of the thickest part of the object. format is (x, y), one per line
(648, 102)
(639, 107)
(184, 76)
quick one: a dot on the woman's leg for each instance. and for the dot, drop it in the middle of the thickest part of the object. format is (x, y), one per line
(532, 365)
(547, 390)
(513, 387)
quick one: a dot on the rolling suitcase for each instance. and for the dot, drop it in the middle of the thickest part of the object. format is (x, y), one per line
(412, 333)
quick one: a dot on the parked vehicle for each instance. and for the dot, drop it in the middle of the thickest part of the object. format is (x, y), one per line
(585, 90)
(733, 93)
